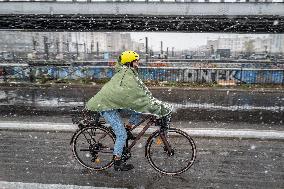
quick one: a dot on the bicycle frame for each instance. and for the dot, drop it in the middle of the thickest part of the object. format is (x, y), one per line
(159, 140)
(146, 127)
(151, 121)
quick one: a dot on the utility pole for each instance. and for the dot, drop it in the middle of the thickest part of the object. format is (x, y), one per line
(77, 46)
(46, 50)
(212, 50)
(162, 48)
(92, 47)
(85, 48)
(57, 46)
(67, 46)
(146, 48)
(34, 44)
(167, 52)
(77, 49)
(173, 54)
(98, 50)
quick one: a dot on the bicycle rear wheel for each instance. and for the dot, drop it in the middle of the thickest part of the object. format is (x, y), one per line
(180, 158)
(93, 147)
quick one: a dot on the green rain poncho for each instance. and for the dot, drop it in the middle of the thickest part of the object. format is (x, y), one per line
(126, 91)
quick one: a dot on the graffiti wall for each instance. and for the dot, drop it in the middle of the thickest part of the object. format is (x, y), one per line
(202, 75)
(254, 76)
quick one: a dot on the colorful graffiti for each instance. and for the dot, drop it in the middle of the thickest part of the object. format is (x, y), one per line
(203, 75)
(214, 75)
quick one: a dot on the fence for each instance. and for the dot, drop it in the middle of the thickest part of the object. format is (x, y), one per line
(223, 76)
(154, 1)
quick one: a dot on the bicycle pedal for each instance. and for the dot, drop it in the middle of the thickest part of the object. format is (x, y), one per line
(96, 160)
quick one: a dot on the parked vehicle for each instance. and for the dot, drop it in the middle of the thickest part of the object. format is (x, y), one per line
(259, 56)
(6, 55)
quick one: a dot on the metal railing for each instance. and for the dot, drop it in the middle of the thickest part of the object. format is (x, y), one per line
(153, 1)
(174, 75)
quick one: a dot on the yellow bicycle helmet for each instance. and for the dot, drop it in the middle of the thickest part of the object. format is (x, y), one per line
(128, 57)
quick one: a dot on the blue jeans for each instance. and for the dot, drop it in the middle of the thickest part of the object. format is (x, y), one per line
(115, 121)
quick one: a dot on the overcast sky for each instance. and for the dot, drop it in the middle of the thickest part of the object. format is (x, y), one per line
(180, 40)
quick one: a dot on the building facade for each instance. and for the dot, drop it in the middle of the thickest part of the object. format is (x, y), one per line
(65, 42)
(272, 44)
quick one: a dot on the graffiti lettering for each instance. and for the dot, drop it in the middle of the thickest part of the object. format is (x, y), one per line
(208, 76)
(146, 73)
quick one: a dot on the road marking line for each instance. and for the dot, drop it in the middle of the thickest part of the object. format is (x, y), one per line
(21, 185)
(198, 132)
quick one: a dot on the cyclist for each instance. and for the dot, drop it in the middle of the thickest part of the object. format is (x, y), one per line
(125, 91)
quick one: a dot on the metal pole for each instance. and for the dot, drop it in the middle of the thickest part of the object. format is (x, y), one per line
(162, 48)
(98, 50)
(34, 43)
(45, 39)
(146, 48)
(57, 46)
(92, 47)
(67, 46)
(167, 52)
(77, 49)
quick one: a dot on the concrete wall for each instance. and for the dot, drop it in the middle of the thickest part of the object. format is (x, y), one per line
(257, 106)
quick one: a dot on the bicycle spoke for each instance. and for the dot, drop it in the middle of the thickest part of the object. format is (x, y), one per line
(102, 137)
(83, 150)
(93, 148)
(88, 140)
(174, 154)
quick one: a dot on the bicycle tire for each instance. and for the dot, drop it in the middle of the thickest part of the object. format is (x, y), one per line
(156, 153)
(94, 149)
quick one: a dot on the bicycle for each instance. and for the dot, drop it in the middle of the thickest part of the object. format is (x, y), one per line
(92, 145)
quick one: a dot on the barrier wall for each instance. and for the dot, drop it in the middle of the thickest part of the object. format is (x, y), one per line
(26, 73)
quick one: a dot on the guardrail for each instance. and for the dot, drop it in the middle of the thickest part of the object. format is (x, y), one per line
(222, 76)
(153, 1)
(171, 16)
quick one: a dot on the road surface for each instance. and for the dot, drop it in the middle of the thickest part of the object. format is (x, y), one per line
(34, 157)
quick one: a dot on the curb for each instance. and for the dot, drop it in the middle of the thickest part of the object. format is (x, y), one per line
(200, 132)
(99, 85)
(181, 113)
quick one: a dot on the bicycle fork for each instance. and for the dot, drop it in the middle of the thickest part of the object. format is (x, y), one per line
(164, 141)
(167, 146)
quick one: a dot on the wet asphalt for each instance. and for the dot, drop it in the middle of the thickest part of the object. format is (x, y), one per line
(46, 157)
(258, 106)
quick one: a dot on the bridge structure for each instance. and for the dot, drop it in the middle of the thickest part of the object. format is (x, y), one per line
(241, 16)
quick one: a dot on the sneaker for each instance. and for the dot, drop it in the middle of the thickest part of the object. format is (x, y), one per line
(120, 165)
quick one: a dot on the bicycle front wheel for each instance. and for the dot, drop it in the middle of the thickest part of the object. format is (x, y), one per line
(93, 147)
(179, 159)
